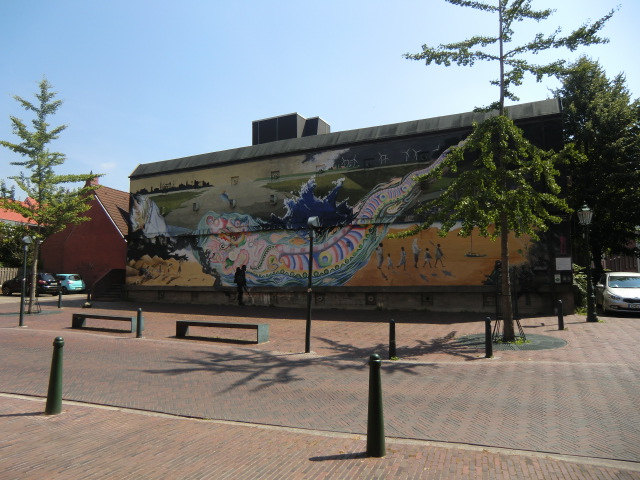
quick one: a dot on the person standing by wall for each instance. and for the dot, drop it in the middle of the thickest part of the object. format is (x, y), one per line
(240, 279)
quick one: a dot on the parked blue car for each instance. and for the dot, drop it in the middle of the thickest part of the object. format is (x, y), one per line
(70, 282)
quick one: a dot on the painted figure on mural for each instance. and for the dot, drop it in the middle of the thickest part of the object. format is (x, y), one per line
(416, 252)
(439, 256)
(379, 255)
(427, 258)
(403, 259)
(389, 262)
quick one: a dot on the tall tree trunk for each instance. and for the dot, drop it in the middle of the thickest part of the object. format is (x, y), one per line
(501, 46)
(508, 332)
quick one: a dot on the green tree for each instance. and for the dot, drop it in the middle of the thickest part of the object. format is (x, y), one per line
(7, 192)
(11, 253)
(51, 204)
(500, 189)
(603, 122)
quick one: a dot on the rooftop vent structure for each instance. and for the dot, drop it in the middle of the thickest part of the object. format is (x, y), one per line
(287, 126)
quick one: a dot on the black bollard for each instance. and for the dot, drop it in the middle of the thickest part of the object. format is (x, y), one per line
(60, 298)
(392, 339)
(139, 324)
(54, 395)
(375, 422)
(560, 316)
(488, 343)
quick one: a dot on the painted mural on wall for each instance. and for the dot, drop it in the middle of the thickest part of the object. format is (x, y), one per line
(196, 229)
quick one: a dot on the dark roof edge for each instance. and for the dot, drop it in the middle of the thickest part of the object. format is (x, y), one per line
(336, 139)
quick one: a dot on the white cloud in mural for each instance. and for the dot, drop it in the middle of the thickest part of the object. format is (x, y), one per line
(328, 157)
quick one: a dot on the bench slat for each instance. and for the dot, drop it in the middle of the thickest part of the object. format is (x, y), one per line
(262, 329)
(78, 320)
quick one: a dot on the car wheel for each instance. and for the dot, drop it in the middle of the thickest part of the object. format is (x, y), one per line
(6, 291)
(64, 290)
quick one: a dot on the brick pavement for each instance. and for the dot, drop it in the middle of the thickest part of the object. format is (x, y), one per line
(578, 400)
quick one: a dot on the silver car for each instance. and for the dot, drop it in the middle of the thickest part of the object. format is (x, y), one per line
(619, 292)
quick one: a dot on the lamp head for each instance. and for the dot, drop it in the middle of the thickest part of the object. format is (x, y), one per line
(585, 215)
(27, 240)
(313, 222)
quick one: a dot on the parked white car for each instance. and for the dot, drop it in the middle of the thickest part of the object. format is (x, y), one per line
(619, 292)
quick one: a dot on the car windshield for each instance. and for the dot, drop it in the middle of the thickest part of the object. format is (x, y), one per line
(47, 277)
(624, 282)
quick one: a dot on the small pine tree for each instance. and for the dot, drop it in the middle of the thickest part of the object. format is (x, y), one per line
(50, 204)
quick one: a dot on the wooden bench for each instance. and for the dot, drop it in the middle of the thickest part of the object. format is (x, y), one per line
(78, 320)
(182, 327)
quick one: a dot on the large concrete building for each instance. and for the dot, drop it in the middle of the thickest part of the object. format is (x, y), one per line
(194, 220)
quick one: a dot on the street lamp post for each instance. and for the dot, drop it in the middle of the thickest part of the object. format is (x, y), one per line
(25, 246)
(312, 222)
(585, 214)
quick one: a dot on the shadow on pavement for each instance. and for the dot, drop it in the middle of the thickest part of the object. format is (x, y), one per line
(343, 456)
(272, 368)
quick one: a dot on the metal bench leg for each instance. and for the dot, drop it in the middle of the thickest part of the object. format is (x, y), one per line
(78, 322)
(263, 333)
(182, 330)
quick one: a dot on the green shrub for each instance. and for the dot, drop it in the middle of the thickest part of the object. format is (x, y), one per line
(579, 286)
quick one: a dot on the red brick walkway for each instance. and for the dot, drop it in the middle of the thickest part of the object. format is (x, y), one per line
(577, 405)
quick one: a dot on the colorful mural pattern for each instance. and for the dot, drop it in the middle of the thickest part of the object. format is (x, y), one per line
(351, 248)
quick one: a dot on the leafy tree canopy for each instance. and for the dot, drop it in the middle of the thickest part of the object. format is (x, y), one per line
(513, 61)
(51, 203)
(603, 122)
(11, 246)
(512, 186)
(509, 178)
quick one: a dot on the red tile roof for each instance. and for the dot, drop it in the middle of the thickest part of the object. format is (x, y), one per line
(9, 216)
(116, 204)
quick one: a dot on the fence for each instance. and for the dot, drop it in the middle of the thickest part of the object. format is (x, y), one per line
(7, 273)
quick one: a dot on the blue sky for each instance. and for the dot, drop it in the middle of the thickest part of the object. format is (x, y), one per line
(145, 81)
